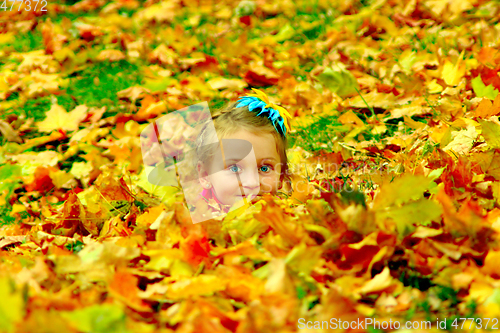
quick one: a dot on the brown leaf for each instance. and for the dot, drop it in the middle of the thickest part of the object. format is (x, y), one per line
(259, 75)
(9, 133)
(8, 240)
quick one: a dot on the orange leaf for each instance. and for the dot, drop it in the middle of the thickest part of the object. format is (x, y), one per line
(124, 287)
(259, 75)
(487, 109)
(111, 55)
(196, 249)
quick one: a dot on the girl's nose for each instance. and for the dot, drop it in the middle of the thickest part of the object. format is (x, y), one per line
(250, 179)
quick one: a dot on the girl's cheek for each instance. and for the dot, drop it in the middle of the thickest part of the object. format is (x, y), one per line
(268, 184)
(265, 187)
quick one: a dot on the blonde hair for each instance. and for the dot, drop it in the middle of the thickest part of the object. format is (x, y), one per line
(231, 119)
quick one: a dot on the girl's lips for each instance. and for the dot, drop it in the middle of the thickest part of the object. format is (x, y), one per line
(246, 196)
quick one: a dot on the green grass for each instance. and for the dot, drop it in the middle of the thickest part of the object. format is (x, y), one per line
(217, 103)
(36, 108)
(415, 280)
(447, 295)
(9, 181)
(318, 135)
(98, 85)
(5, 217)
(28, 42)
(111, 77)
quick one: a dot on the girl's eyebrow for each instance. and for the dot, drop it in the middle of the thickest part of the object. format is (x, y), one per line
(236, 160)
(231, 160)
(268, 159)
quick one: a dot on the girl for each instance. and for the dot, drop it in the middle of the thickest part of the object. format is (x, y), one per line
(248, 158)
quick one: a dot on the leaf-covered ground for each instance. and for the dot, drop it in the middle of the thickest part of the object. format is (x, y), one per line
(395, 213)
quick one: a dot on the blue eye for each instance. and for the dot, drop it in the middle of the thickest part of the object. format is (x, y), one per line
(265, 168)
(234, 168)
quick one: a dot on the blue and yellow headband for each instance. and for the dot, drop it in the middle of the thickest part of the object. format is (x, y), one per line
(277, 114)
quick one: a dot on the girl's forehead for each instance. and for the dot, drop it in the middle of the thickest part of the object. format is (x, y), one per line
(243, 147)
(263, 142)
(253, 137)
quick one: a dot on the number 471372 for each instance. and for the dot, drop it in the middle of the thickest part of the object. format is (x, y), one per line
(28, 5)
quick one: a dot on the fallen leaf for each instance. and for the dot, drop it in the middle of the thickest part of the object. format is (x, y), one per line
(453, 73)
(58, 119)
(223, 83)
(9, 133)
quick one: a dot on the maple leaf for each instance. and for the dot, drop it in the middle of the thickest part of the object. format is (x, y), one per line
(487, 109)
(223, 83)
(259, 75)
(453, 73)
(9, 133)
(481, 90)
(491, 133)
(58, 119)
(339, 80)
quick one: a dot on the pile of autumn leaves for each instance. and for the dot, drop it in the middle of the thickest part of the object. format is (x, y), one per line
(123, 256)
(254, 270)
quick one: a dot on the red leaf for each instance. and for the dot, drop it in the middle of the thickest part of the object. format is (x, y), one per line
(43, 182)
(196, 248)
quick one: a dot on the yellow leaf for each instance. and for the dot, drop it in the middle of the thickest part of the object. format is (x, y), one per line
(379, 283)
(57, 118)
(196, 286)
(61, 178)
(480, 291)
(278, 280)
(462, 140)
(491, 133)
(401, 190)
(351, 118)
(44, 158)
(453, 73)
(223, 83)
(11, 307)
(491, 266)
(7, 38)
(433, 87)
(373, 99)
(302, 258)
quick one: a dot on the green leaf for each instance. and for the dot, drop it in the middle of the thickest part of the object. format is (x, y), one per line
(9, 177)
(491, 133)
(285, 33)
(167, 194)
(435, 174)
(494, 298)
(402, 190)
(421, 212)
(98, 318)
(339, 81)
(483, 91)
(157, 85)
(302, 258)
(301, 293)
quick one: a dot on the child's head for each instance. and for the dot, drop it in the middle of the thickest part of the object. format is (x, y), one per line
(261, 170)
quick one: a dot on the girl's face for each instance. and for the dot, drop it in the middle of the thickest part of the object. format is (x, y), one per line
(259, 171)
